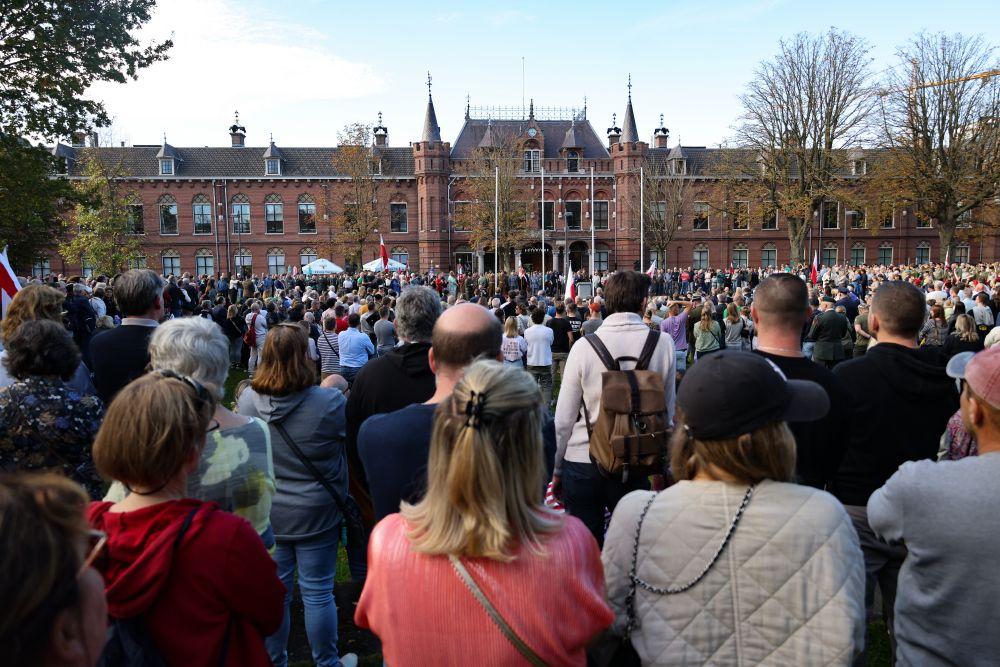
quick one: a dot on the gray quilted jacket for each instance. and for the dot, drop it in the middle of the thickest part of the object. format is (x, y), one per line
(787, 590)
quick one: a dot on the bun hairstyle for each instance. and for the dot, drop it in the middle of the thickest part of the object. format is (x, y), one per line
(486, 470)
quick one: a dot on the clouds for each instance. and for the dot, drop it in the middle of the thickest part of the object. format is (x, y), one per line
(225, 59)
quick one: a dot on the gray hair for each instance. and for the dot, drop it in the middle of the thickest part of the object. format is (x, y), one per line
(193, 346)
(417, 309)
(136, 291)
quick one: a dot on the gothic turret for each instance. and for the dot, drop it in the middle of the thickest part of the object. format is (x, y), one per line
(629, 133)
(432, 132)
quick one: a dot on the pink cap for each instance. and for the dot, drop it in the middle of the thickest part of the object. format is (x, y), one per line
(981, 371)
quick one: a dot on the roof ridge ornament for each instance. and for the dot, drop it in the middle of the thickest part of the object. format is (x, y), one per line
(429, 84)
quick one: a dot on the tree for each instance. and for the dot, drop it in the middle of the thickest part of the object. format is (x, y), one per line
(495, 208)
(357, 158)
(940, 128)
(801, 113)
(100, 229)
(665, 199)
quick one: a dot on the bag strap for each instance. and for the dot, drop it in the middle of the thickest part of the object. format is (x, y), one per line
(630, 596)
(602, 352)
(508, 632)
(646, 356)
(313, 470)
(183, 531)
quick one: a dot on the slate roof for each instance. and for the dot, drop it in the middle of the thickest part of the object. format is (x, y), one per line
(235, 162)
(554, 130)
(571, 141)
(273, 151)
(629, 132)
(432, 131)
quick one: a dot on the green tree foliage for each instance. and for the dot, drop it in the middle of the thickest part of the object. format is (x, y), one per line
(100, 228)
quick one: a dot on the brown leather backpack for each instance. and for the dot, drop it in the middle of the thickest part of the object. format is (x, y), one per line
(632, 432)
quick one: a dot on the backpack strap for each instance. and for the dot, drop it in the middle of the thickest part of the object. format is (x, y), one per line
(646, 356)
(602, 352)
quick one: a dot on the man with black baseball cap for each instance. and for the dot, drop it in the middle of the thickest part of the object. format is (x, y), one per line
(948, 584)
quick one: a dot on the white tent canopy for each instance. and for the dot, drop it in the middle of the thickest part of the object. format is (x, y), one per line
(376, 265)
(321, 267)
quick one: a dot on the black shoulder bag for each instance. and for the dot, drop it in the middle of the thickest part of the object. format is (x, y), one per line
(348, 506)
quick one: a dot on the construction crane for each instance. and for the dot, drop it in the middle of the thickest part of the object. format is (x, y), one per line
(931, 84)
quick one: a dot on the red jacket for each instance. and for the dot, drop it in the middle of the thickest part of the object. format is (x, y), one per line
(222, 581)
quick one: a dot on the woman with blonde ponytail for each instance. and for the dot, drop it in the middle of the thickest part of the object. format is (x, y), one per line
(483, 517)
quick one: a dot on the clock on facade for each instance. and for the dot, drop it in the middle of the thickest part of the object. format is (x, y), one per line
(532, 131)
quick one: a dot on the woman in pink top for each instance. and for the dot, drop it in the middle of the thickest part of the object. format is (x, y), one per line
(540, 571)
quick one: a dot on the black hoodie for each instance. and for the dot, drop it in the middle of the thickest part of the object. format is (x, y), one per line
(902, 402)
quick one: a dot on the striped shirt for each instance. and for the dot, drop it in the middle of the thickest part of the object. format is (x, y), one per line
(329, 352)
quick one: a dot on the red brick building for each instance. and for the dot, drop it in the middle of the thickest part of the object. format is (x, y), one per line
(265, 208)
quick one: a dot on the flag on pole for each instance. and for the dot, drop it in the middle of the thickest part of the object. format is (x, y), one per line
(520, 271)
(814, 274)
(461, 268)
(732, 268)
(570, 288)
(383, 253)
(652, 269)
(9, 285)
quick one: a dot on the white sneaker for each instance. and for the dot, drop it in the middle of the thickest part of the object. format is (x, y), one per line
(349, 660)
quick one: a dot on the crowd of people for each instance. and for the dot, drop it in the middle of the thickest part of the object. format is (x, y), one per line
(683, 467)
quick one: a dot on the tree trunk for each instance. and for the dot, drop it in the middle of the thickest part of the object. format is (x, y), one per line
(946, 236)
(796, 239)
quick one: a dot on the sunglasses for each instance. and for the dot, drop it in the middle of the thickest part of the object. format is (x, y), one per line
(97, 541)
(200, 391)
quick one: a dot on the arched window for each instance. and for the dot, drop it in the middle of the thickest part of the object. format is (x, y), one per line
(769, 255)
(204, 262)
(699, 257)
(306, 256)
(857, 254)
(740, 256)
(201, 210)
(274, 215)
(307, 215)
(275, 260)
(401, 255)
(241, 214)
(168, 215)
(171, 262)
(885, 253)
(244, 262)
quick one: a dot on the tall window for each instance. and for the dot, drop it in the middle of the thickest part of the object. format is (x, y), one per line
(274, 215)
(769, 255)
(829, 255)
(923, 252)
(307, 256)
(601, 214)
(885, 253)
(134, 224)
(241, 214)
(397, 218)
(740, 257)
(307, 215)
(275, 261)
(168, 215)
(573, 211)
(829, 216)
(202, 215)
(701, 216)
(888, 216)
(137, 262)
(741, 215)
(855, 219)
(243, 262)
(204, 262)
(532, 161)
(960, 253)
(572, 161)
(858, 254)
(41, 268)
(401, 255)
(770, 221)
(547, 215)
(601, 260)
(964, 218)
(87, 266)
(699, 259)
(171, 263)
(273, 167)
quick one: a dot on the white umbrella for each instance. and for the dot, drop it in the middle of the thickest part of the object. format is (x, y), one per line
(321, 267)
(376, 265)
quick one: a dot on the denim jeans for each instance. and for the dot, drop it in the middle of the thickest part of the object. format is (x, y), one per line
(586, 493)
(235, 351)
(315, 559)
(349, 373)
(681, 356)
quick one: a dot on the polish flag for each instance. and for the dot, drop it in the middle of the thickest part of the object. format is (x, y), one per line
(652, 269)
(9, 285)
(814, 275)
(383, 253)
(570, 288)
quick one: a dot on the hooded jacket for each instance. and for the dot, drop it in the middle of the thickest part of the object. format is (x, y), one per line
(314, 419)
(902, 402)
(220, 581)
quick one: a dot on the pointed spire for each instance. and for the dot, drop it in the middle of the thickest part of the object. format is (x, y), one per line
(487, 140)
(531, 109)
(629, 133)
(432, 132)
(468, 105)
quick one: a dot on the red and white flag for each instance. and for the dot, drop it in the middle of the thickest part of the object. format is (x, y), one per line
(382, 253)
(520, 271)
(9, 286)
(814, 274)
(570, 288)
(652, 269)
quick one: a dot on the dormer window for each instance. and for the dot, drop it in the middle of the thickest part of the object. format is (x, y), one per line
(166, 167)
(859, 167)
(273, 166)
(678, 167)
(572, 161)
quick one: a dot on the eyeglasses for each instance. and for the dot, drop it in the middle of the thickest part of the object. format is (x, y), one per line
(97, 541)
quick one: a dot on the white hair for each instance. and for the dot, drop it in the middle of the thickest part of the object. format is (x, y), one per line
(193, 346)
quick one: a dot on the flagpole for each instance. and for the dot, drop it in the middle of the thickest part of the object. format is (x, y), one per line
(592, 219)
(642, 217)
(543, 224)
(496, 233)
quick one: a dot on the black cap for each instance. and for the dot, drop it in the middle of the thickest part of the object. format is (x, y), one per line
(828, 299)
(729, 393)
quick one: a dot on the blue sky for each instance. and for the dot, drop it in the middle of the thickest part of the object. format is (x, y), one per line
(302, 69)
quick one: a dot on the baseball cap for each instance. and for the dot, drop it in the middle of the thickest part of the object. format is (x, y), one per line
(729, 393)
(981, 370)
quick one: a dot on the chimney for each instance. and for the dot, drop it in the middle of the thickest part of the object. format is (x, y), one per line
(79, 139)
(94, 143)
(237, 133)
(614, 132)
(661, 135)
(381, 133)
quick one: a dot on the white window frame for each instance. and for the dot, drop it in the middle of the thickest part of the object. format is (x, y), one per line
(836, 216)
(136, 224)
(406, 218)
(578, 223)
(307, 257)
(272, 166)
(961, 253)
(772, 249)
(770, 229)
(166, 166)
(706, 209)
(243, 261)
(602, 259)
(269, 207)
(203, 267)
(882, 248)
(138, 262)
(853, 216)
(532, 159)
(41, 267)
(741, 215)
(273, 266)
(401, 257)
(924, 247)
(239, 218)
(697, 263)
(177, 223)
(854, 250)
(741, 262)
(195, 215)
(825, 254)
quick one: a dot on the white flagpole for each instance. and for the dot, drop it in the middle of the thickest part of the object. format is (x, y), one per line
(496, 233)
(543, 224)
(592, 219)
(642, 217)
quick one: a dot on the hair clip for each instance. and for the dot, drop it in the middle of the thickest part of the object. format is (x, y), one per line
(474, 409)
